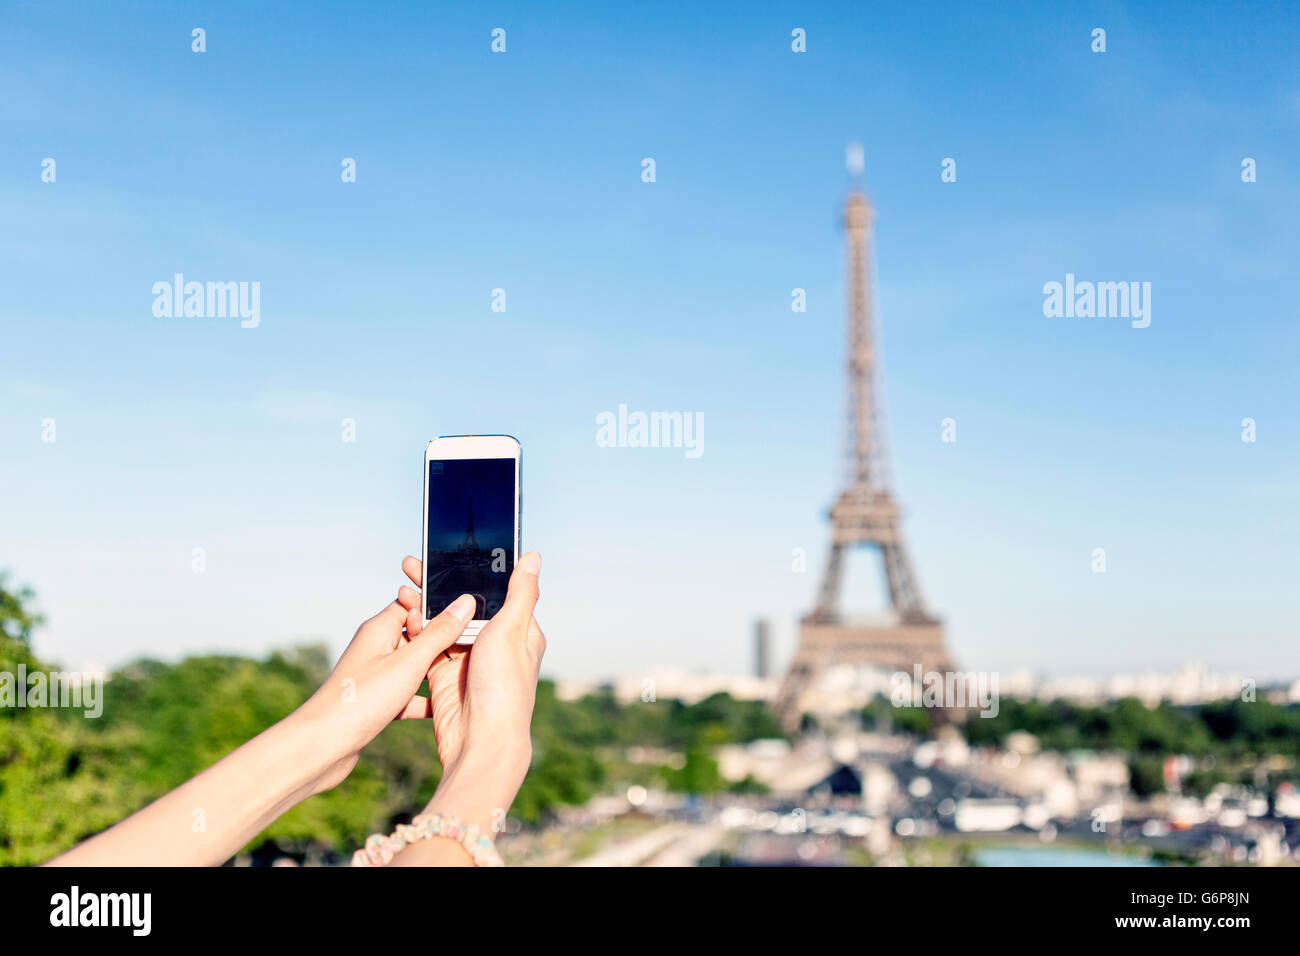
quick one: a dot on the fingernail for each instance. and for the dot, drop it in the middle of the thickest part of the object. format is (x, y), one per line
(531, 563)
(462, 608)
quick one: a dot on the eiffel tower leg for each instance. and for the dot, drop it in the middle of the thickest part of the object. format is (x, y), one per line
(828, 598)
(904, 595)
(802, 674)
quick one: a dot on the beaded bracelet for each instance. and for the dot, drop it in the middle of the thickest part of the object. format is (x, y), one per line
(379, 850)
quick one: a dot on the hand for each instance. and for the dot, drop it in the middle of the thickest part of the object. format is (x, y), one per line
(375, 682)
(481, 700)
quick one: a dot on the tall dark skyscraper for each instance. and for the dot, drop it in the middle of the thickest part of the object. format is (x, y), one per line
(762, 649)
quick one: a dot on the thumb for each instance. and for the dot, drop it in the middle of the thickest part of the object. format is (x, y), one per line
(417, 657)
(522, 592)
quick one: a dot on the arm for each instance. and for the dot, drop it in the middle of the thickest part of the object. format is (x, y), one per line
(206, 820)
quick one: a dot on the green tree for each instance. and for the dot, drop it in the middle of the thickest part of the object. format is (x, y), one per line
(698, 775)
(17, 618)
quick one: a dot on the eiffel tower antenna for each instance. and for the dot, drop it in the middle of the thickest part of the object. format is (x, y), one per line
(855, 162)
(864, 514)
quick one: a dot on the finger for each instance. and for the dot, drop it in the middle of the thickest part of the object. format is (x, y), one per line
(391, 617)
(449, 655)
(414, 623)
(381, 633)
(414, 569)
(522, 592)
(409, 598)
(438, 635)
(419, 708)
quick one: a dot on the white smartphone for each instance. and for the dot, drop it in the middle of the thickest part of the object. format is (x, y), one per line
(473, 513)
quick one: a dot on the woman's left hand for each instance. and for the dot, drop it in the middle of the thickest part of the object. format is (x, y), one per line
(375, 682)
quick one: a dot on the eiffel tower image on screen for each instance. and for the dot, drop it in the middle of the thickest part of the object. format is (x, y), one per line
(864, 514)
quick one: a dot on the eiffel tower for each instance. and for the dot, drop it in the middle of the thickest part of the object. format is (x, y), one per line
(865, 514)
(471, 542)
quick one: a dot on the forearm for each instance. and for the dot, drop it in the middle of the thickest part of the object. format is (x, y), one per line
(206, 820)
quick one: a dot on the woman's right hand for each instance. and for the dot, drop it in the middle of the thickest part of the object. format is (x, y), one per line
(481, 701)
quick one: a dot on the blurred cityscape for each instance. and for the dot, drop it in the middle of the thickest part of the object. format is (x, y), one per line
(670, 768)
(843, 795)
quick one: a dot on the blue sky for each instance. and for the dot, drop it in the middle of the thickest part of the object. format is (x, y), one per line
(522, 171)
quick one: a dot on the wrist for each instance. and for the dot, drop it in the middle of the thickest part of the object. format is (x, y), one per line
(480, 786)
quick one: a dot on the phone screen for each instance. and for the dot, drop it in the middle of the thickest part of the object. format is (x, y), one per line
(471, 546)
